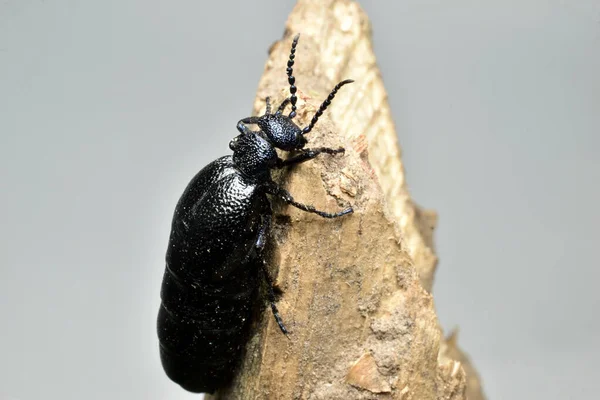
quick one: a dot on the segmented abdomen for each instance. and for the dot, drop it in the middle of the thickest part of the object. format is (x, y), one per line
(210, 281)
(202, 328)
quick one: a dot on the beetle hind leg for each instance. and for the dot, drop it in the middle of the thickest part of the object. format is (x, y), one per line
(271, 295)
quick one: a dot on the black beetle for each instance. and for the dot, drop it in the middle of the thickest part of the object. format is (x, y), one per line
(215, 253)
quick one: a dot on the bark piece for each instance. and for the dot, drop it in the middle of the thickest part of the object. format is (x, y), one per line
(356, 290)
(365, 375)
(450, 350)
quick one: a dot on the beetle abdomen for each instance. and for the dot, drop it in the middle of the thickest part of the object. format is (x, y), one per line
(202, 328)
(210, 280)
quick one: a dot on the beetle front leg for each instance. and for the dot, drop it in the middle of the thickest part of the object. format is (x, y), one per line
(284, 103)
(307, 154)
(243, 128)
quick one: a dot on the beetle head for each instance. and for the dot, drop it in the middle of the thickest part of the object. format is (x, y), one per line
(282, 132)
(279, 129)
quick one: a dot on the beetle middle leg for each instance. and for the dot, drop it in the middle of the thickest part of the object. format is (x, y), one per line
(284, 195)
(307, 154)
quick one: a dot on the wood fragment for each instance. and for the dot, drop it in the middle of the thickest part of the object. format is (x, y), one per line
(365, 375)
(356, 290)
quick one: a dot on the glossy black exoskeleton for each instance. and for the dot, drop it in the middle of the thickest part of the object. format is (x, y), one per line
(215, 255)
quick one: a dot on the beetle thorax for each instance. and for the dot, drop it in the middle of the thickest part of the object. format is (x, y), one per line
(253, 155)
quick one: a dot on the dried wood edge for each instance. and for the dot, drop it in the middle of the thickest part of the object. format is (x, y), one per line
(356, 292)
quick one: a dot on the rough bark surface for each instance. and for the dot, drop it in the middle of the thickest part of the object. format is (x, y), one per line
(356, 290)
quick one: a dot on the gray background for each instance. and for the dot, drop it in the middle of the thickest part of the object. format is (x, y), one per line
(108, 108)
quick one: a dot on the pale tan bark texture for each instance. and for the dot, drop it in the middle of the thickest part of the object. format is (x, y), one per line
(356, 290)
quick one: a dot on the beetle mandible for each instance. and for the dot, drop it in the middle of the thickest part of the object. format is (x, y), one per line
(215, 255)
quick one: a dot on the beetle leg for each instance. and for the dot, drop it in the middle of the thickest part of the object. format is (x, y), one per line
(261, 239)
(284, 195)
(307, 154)
(259, 246)
(271, 294)
(243, 128)
(282, 106)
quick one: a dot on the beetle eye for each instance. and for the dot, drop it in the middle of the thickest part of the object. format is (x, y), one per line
(302, 141)
(233, 143)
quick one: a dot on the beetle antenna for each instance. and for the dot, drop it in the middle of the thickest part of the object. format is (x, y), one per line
(291, 79)
(324, 106)
(268, 105)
